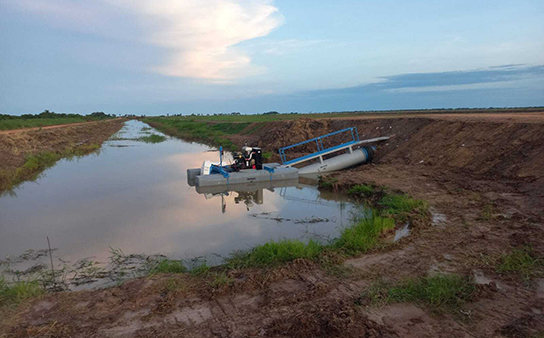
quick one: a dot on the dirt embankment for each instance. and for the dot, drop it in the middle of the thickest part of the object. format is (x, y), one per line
(16, 146)
(484, 183)
(506, 150)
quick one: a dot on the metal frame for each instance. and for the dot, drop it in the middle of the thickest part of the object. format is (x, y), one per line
(320, 149)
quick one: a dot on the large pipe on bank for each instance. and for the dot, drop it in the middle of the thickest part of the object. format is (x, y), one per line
(354, 157)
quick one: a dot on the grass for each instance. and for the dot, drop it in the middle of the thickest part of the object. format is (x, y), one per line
(18, 292)
(153, 138)
(214, 134)
(200, 269)
(267, 155)
(169, 266)
(520, 262)
(401, 206)
(364, 235)
(220, 279)
(37, 163)
(361, 189)
(33, 123)
(488, 212)
(438, 292)
(274, 253)
(327, 182)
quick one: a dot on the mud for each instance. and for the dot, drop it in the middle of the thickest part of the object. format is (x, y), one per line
(483, 178)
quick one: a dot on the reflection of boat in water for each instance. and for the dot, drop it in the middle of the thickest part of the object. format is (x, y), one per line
(252, 194)
(248, 193)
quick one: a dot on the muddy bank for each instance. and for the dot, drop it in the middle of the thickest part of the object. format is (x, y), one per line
(17, 146)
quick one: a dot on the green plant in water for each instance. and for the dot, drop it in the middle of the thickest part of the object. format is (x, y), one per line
(153, 138)
(200, 269)
(169, 266)
(327, 182)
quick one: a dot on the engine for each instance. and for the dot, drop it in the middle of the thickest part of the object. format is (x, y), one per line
(249, 158)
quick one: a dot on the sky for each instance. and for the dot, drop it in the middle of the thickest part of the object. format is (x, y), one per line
(251, 56)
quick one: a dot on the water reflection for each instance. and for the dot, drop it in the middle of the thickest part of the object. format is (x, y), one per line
(134, 196)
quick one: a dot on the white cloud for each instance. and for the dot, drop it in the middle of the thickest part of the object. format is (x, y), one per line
(198, 36)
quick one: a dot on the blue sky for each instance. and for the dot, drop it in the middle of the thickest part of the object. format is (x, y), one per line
(205, 56)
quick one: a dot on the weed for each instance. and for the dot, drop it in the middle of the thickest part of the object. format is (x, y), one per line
(153, 138)
(401, 206)
(16, 293)
(200, 269)
(169, 266)
(438, 292)
(274, 253)
(488, 212)
(361, 189)
(521, 262)
(327, 182)
(220, 279)
(174, 284)
(267, 155)
(364, 235)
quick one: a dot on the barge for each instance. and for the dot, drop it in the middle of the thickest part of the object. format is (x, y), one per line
(248, 166)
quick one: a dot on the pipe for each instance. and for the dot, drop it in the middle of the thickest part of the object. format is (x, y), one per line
(359, 156)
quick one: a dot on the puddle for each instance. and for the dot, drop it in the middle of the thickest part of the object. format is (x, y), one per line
(401, 233)
(438, 219)
(134, 196)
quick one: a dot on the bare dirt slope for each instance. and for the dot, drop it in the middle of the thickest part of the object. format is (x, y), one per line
(15, 145)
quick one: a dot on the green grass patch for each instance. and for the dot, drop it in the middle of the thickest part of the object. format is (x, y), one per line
(267, 155)
(327, 182)
(153, 138)
(364, 234)
(169, 266)
(200, 269)
(213, 134)
(15, 293)
(37, 163)
(361, 190)
(274, 253)
(521, 262)
(438, 292)
(401, 206)
(220, 279)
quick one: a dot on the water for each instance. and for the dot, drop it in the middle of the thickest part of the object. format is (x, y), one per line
(135, 197)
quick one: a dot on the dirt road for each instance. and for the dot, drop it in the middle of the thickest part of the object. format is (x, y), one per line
(14, 131)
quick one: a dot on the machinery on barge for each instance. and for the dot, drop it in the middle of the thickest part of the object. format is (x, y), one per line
(248, 167)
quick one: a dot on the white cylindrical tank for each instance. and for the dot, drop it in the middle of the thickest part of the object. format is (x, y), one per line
(358, 156)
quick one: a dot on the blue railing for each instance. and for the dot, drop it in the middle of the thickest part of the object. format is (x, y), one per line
(319, 142)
